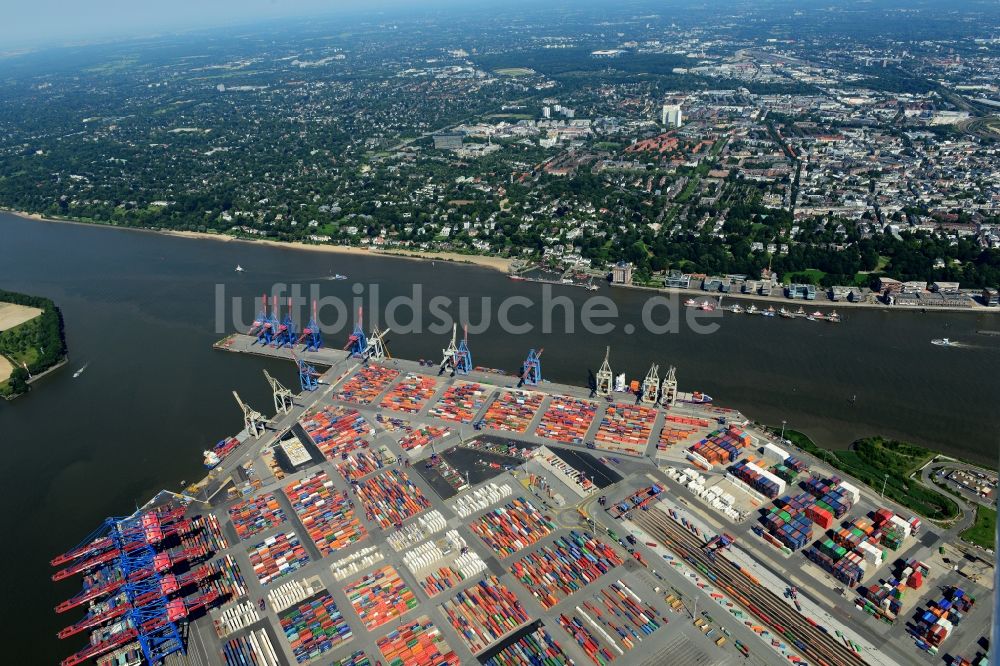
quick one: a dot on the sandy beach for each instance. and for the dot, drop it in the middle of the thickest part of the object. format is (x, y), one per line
(492, 262)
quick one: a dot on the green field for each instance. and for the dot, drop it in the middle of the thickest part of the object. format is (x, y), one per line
(876, 462)
(983, 531)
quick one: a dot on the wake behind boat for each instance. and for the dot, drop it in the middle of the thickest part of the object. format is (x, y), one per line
(944, 342)
(80, 371)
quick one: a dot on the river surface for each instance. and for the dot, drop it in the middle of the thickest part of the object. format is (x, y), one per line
(140, 311)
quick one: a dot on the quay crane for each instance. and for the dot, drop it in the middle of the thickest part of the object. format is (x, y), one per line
(605, 378)
(260, 320)
(357, 343)
(651, 386)
(253, 421)
(531, 371)
(169, 585)
(283, 399)
(311, 335)
(376, 347)
(99, 549)
(458, 359)
(668, 391)
(308, 375)
(286, 330)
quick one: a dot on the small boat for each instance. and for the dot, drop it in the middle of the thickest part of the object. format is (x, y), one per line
(752, 309)
(690, 302)
(833, 316)
(944, 342)
(706, 306)
(239, 269)
(592, 287)
(785, 313)
(818, 314)
(80, 371)
(768, 312)
(800, 312)
(737, 309)
(810, 318)
(337, 276)
(516, 277)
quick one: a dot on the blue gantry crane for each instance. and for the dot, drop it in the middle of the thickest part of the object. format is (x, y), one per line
(286, 334)
(308, 375)
(258, 323)
(158, 636)
(357, 343)
(311, 335)
(531, 371)
(456, 358)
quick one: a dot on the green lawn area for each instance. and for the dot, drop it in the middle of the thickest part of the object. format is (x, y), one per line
(871, 459)
(983, 531)
(808, 276)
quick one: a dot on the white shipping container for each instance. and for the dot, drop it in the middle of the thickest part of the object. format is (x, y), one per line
(774, 453)
(903, 525)
(853, 492)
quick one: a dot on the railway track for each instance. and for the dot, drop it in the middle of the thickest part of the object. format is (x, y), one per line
(812, 642)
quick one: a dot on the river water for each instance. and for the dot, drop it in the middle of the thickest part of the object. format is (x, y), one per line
(140, 311)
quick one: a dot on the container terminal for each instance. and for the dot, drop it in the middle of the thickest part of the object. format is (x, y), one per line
(435, 512)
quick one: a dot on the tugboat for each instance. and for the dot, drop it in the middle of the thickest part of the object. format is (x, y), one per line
(944, 342)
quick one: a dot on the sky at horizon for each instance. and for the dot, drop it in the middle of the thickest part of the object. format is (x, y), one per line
(49, 22)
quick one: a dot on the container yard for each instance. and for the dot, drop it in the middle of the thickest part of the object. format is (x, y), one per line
(484, 613)
(416, 440)
(557, 571)
(625, 429)
(531, 647)
(567, 420)
(460, 402)
(516, 578)
(417, 643)
(411, 394)
(277, 556)
(390, 498)
(511, 411)
(337, 430)
(367, 385)
(256, 515)
(514, 526)
(313, 627)
(379, 597)
(326, 514)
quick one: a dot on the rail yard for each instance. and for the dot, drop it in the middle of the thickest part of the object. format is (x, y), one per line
(411, 512)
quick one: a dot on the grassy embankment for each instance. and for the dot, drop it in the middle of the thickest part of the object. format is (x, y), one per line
(870, 460)
(983, 531)
(38, 343)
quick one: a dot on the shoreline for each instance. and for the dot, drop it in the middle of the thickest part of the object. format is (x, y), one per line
(975, 308)
(491, 262)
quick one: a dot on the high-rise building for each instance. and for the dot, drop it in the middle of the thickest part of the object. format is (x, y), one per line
(671, 115)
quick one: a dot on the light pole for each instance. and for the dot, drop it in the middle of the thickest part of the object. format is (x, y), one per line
(783, 430)
(885, 480)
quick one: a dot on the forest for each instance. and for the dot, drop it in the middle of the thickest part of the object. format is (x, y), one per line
(39, 343)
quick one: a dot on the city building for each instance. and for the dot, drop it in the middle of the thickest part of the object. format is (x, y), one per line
(621, 273)
(671, 116)
(448, 141)
(801, 291)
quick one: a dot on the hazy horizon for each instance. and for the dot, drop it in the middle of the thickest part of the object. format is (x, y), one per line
(45, 23)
